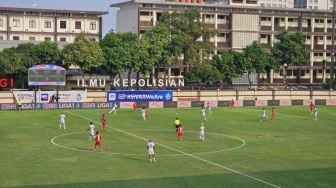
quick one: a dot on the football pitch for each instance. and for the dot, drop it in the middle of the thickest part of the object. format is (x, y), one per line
(239, 150)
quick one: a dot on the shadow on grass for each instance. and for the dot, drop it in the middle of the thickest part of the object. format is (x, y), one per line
(314, 178)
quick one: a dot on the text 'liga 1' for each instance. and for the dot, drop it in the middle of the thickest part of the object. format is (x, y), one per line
(132, 82)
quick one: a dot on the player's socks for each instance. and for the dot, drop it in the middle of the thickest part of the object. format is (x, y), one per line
(150, 160)
(154, 160)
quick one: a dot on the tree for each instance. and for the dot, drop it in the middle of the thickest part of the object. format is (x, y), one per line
(83, 53)
(17, 60)
(290, 49)
(158, 46)
(255, 59)
(186, 28)
(47, 53)
(224, 63)
(113, 49)
(203, 73)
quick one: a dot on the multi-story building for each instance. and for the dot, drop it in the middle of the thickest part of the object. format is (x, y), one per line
(34, 24)
(314, 4)
(239, 26)
(276, 3)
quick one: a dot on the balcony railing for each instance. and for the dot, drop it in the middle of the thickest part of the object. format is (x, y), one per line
(146, 23)
(293, 29)
(210, 25)
(266, 28)
(279, 28)
(306, 29)
(223, 26)
(223, 44)
(318, 46)
(318, 29)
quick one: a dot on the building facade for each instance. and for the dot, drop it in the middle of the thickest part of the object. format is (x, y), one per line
(31, 24)
(314, 4)
(276, 3)
(239, 26)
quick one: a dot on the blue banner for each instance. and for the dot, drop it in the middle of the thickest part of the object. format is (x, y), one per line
(139, 96)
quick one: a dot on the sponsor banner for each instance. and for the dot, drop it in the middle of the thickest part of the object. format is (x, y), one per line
(307, 102)
(8, 106)
(44, 96)
(87, 105)
(320, 102)
(223, 103)
(197, 104)
(331, 102)
(139, 96)
(183, 104)
(248, 103)
(238, 103)
(170, 104)
(285, 102)
(261, 103)
(142, 104)
(155, 104)
(212, 103)
(28, 106)
(297, 102)
(126, 105)
(103, 105)
(273, 103)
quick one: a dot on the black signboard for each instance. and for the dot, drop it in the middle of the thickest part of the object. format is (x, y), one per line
(297, 102)
(142, 104)
(223, 103)
(197, 104)
(249, 103)
(320, 102)
(170, 104)
(273, 103)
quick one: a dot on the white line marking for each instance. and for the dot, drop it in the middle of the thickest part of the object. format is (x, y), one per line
(190, 155)
(208, 152)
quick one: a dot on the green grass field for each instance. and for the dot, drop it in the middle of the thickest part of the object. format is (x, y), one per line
(238, 151)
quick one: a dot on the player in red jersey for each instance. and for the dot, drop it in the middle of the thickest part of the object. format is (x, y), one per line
(232, 104)
(273, 114)
(180, 132)
(312, 106)
(103, 120)
(98, 141)
(134, 107)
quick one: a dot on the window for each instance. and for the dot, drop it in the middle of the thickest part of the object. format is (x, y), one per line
(290, 20)
(1, 22)
(303, 72)
(63, 24)
(328, 37)
(47, 38)
(144, 13)
(263, 36)
(47, 24)
(16, 23)
(31, 38)
(308, 37)
(1, 38)
(78, 25)
(32, 23)
(321, 37)
(328, 21)
(92, 39)
(63, 39)
(16, 38)
(93, 26)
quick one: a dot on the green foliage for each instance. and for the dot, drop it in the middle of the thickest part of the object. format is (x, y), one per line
(226, 66)
(326, 86)
(83, 53)
(158, 46)
(203, 73)
(186, 29)
(290, 48)
(47, 53)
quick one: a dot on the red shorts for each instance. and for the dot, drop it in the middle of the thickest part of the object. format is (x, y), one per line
(104, 124)
(179, 134)
(97, 143)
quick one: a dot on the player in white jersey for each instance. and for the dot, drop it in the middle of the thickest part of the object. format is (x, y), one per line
(201, 133)
(209, 108)
(151, 149)
(315, 113)
(143, 113)
(92, 130)
(114, 109)
(62, 121)
(263, 114)
(203, 114)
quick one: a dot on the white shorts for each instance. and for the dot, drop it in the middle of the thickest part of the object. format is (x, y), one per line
(62, 122)
(264, 115)
(150, 152)
(92, 133)
(201, 133)
(113, 109)
(203, 115)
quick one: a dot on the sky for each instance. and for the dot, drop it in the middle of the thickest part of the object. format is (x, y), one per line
(109, 20)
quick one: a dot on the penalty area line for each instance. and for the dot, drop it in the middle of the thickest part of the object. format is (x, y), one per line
(190, 155)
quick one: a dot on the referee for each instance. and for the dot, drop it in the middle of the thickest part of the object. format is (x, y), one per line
(19, 103)
(177, 123)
